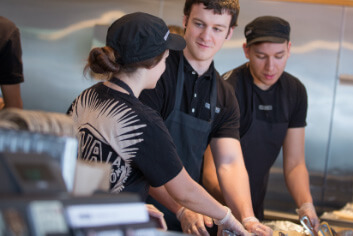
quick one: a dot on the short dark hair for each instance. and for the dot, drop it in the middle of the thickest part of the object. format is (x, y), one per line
(218, 7)
(103, 63)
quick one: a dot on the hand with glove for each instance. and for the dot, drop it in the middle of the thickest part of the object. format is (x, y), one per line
(193, 223)
(157, 215)
(253, 225)
(308, 209)
(230, 223)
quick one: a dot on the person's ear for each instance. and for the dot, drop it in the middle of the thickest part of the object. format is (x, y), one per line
(246, 50)
(230, 32)
(185, 21)
(288, 47)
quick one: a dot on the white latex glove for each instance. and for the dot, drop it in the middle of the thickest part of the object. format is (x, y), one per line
(157, 215)
(193, 223)
(253, 225)
(308, 209)
(230, 223)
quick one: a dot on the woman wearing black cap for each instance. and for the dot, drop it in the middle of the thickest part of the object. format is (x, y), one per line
(115, 127)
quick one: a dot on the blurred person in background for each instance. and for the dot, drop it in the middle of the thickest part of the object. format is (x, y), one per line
(11, 69)
(176, 29)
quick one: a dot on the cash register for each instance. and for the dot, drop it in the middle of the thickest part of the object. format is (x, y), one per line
(37, 173)
(34, 201)
(36, 177)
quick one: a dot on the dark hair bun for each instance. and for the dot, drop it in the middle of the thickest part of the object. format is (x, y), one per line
(102, 60)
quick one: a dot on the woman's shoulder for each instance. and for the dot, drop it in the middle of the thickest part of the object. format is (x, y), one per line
(148, 114)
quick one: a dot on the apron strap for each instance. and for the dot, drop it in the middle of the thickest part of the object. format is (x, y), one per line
(213, 97)
(180, 83)
(122, 84)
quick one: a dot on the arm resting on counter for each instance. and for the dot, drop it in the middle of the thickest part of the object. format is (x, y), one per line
(232, 175)
(174, 196)
(233, 181)
(190, 221)
(295, 171)
(161, 195)
(185, 191)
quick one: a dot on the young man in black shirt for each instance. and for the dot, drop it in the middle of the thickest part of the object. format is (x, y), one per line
(199, 109)
(273, 108)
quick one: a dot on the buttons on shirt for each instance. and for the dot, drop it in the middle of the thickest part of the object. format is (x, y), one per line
(193, 110)
(193, 72)
(195, 95)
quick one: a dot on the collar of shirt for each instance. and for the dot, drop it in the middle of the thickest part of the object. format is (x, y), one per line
(207, 75)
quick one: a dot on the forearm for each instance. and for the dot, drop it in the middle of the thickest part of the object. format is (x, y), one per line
(295, 171)
(233, 176)
(235, 187)
(191, 195)
(209, 177)
(204, 203)
(238, 198)
(297, 181)
(161, 195)
(214, 189)
(12, 95)
(234, 183)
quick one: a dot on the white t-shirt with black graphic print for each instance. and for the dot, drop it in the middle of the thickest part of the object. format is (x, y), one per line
(117, 128)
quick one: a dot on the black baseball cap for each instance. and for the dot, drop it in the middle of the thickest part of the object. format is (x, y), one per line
(140, 36)
(267, 29)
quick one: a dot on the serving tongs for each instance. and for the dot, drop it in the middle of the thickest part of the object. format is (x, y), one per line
(326, 230)
(306, 223)
(324, 227)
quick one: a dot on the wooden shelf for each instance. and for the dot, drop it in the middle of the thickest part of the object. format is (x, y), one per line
(332, 2)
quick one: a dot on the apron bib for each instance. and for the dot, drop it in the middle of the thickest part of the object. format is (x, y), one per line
(190, 135)
(261, 145)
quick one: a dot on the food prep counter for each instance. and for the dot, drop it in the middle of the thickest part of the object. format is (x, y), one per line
(338, 222)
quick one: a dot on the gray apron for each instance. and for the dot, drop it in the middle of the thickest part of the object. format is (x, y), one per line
(261, 145)
(190, 135)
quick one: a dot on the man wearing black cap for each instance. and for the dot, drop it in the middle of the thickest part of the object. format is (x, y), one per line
(273, 108)
(199, 108)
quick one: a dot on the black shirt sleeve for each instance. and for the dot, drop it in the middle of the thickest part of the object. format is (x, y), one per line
(237, 80)
(159, 161)
(227, 122)
(298, 102)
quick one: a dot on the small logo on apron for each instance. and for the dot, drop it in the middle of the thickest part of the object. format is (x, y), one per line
(208, 106)
(265, 107)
